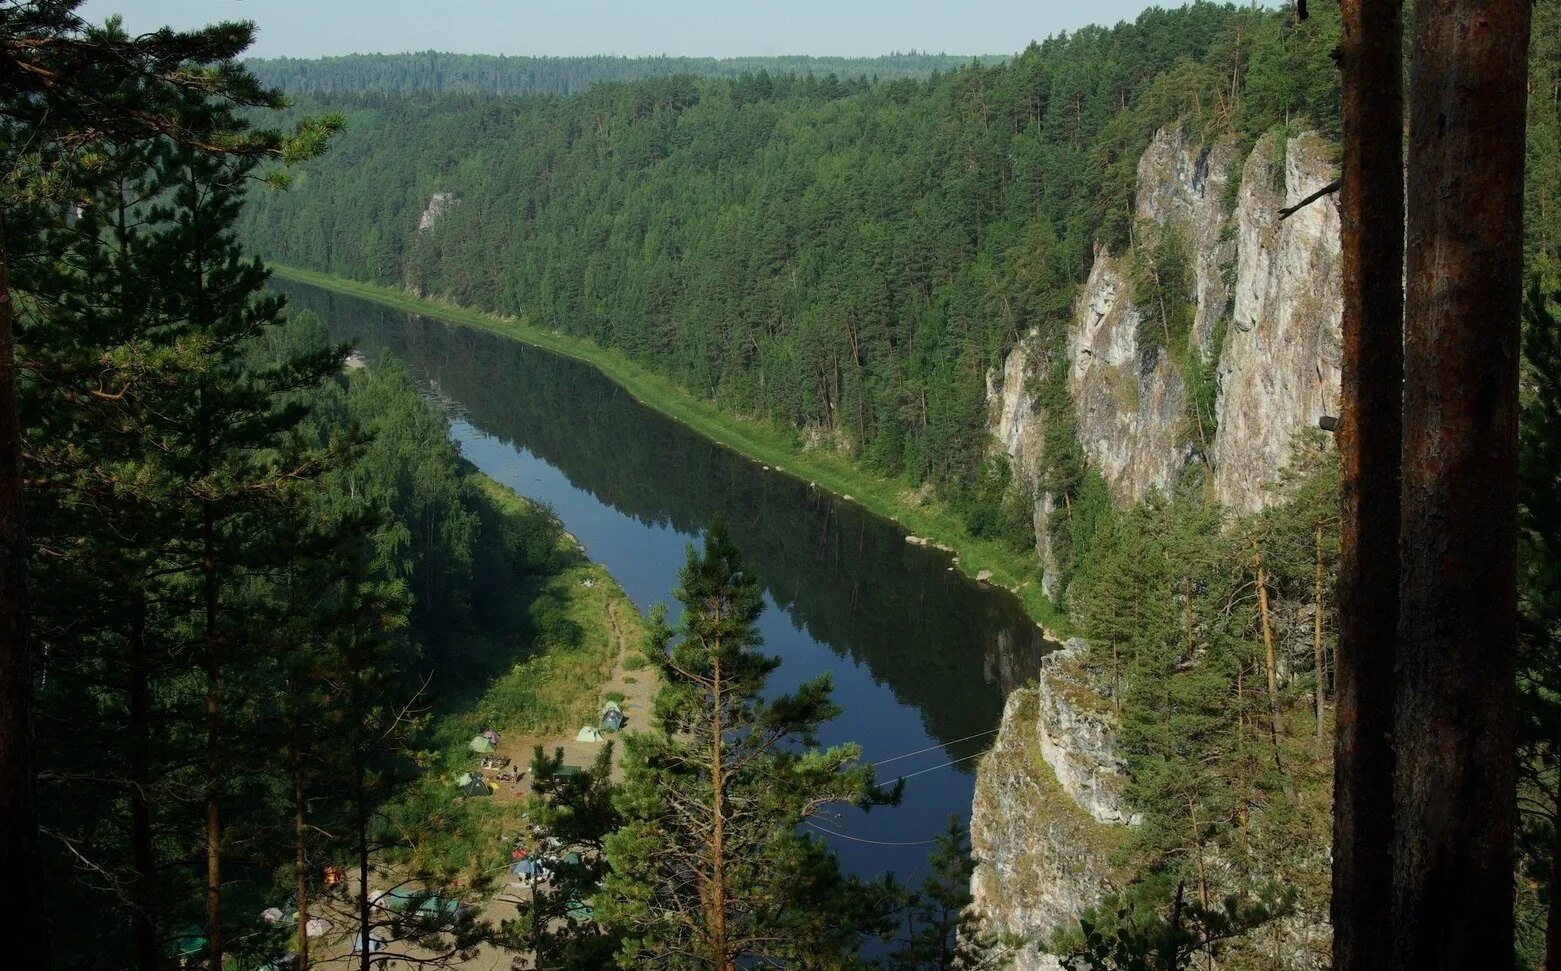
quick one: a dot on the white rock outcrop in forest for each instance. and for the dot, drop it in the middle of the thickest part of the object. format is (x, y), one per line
(439, 204)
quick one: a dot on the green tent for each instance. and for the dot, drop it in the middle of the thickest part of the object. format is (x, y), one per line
(481, 744)
(189, 941)
(472, 784)
(441, 909)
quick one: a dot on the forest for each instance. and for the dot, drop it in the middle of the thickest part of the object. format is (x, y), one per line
(437, 72)
(246, 581)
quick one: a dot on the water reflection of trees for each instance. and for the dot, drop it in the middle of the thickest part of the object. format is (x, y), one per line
(940, 642)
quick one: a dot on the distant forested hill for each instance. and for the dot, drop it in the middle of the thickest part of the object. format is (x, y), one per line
(436, 72)
(844, 257)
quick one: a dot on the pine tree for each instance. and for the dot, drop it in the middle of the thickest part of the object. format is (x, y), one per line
(710, 869)
(942, 932)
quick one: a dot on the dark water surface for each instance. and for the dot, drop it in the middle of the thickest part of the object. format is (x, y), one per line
(922, 657)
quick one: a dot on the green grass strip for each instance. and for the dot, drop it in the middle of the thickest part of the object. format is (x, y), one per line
(760, 441)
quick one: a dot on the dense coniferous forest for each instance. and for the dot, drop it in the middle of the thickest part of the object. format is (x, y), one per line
(250, 592)
(436, 72)
(840, 257)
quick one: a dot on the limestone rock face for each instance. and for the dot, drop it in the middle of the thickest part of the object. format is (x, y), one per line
(1129, 405)
(1048, 807)
(1280, 366)
(1267, 301)
(439, 204)
(1042, 856)
(1018, 424)
(1076, 726)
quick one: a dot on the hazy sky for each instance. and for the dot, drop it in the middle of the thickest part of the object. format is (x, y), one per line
(309, 28)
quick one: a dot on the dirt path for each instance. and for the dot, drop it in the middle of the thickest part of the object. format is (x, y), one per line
(637, 687)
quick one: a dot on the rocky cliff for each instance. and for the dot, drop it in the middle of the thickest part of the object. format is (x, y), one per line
(1047, 815)
(1266, 305)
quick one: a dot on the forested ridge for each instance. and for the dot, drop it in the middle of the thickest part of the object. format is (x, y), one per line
(252, 603)
(842, 258)
(850, 260)
(439, 72)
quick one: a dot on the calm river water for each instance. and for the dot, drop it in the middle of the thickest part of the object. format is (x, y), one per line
(922, 657)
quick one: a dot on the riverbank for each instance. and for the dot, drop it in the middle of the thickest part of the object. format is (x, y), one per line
(760, 442)
(583, 641)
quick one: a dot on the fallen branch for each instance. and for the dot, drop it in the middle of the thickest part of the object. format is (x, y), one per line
(1326, 190)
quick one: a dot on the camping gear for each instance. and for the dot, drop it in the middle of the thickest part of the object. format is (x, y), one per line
(588, 734)
(612, 717)
(472, 784)
(441, 909)
(525, 868)
(481, 744)
(189, 941)
(376, 943)
(579, 910)
(397, 901)
(491, 735)
(316, 926)
(272, 915)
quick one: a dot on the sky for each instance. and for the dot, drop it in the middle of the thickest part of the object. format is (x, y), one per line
(715, 28)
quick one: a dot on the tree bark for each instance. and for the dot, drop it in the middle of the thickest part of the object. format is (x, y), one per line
(1276, 724)
(1319, 658)
(22, 924)
(1372, 238)
(720, 947)
(1454, 722)
(143, 850)
(213, 665)
(300, 851)
(1553, 917)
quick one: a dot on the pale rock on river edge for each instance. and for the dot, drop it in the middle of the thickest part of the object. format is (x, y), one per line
(1047, 813)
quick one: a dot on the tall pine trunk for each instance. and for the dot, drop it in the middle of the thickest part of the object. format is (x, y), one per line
(1454, 715)
(1319, 656)
(1372, 243)
(139, 728)
(213, 668)
(1276, 724)
(300, 829)
(22, 926)
(719, 947)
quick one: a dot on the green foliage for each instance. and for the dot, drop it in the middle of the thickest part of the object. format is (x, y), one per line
(1140, 931)
(435, 72)
(844, 259)
(941, 931)
(711, 867)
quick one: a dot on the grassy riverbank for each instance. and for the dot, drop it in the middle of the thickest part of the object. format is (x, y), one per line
(759, 441)
(575, 631)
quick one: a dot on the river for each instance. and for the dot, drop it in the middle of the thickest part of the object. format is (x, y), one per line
(922, 657)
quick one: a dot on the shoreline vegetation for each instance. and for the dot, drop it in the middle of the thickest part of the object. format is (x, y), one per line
(757, 441)
(541, 697)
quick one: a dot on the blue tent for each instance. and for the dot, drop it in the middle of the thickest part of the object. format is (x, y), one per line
(524, 868)
(376, 943)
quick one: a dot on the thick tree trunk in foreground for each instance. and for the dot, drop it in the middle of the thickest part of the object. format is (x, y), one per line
(141, 837)
(1372, 217)
(1319, 660)
(300, 830)
(21, 903)
(1454, 721)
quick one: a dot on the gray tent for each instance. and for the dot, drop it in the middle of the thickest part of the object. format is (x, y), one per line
(612, 717)
(472, 784)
